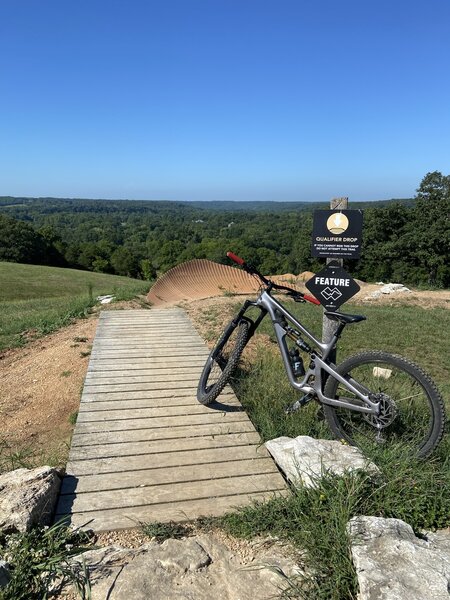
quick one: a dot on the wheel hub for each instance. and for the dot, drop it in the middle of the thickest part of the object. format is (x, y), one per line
(387, 414)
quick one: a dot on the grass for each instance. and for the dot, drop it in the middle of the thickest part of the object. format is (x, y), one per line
(315, 520)
(73, 417)
(13, 456)
(39, 559)
(35, 300)
(25, 455)
(163, 531)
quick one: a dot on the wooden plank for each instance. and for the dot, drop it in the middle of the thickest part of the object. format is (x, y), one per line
(167, 475)
(159, 447)
(151, 385)
(136, 363)
(150, 353)
(164, 405)
(89, 416)
(142, 331)
(176, 394)
(112, 366)
(147, 352)
(148, 423)
(145, 394)
(172, 492)
(142, 435)
(127, 378)
(115, 464)
(151, 371)
(128, 518)
(149, 329)
(157, 327)
(231, 403)
(145, 344)
(139, 335)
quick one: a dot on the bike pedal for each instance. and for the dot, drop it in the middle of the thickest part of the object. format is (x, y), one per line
(298, 404)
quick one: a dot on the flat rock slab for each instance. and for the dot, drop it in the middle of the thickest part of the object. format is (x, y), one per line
(304, 459)
(143, 448)
(393, 564)
(196, 568)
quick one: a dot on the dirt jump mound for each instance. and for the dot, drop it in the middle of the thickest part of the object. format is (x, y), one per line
(201, 278)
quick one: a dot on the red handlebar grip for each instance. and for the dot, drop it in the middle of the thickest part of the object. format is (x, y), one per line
(237, 259)
(311, 299)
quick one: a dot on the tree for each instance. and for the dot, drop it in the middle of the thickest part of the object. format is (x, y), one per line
(148, 270)
(20, 242)
(124, 262)
(430, 228)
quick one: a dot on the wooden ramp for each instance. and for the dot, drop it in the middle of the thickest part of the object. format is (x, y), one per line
(143, 448)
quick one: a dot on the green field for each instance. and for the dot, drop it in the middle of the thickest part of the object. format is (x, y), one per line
(42, 299)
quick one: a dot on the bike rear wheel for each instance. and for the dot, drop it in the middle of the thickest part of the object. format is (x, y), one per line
(222, 361)
(412, 409)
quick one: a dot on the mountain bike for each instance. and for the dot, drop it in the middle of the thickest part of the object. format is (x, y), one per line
(372, 396)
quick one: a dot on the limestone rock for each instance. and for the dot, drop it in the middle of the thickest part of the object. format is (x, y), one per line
(27, 498)
(388, 288)
(105, 299)
(304, 459)
(196, 568)
(391, 288)
(393, 564)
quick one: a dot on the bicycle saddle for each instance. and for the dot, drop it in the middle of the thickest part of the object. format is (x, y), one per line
(343, 318)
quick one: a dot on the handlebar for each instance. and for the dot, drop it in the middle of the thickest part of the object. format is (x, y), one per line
(298, 296)
(237, 259)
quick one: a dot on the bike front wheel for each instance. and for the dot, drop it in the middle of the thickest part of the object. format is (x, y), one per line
(411, 407)
(222, 361)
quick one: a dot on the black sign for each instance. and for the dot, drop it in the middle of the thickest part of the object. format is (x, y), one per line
(337, 233)
(332, 286)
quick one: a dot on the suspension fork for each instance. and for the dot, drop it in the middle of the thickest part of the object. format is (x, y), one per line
(254, 324)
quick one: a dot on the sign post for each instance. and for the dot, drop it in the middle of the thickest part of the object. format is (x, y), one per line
(337, 234)
(329, 327)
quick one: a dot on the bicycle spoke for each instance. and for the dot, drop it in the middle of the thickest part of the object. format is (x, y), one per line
(405, 411)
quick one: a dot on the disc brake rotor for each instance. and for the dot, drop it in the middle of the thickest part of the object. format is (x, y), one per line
(387, 414)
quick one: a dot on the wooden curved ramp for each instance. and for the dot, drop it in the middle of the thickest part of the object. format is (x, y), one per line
(143, 448)
(201, 278)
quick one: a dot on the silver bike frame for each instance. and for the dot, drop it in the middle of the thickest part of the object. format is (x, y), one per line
(275, 310)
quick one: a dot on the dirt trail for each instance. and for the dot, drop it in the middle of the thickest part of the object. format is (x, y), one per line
(40, 391)
(40, 387)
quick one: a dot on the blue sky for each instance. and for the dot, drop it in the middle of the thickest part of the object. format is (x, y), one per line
(223, 99)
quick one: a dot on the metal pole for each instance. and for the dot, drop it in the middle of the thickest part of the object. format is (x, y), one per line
(328, 326)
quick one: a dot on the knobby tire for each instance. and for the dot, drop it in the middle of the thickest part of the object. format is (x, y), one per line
(222, 361)
(416, 417)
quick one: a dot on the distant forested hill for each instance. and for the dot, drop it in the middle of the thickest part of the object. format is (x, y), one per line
(405, 240)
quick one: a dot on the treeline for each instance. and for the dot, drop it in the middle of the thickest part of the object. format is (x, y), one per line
(405, 241)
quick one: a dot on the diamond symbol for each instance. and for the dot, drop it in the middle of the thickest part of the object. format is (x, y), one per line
(331, 294)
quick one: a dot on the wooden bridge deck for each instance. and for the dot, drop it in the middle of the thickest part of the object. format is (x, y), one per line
(143, 448)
